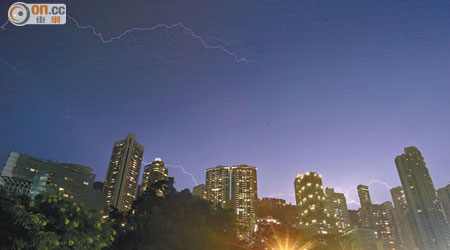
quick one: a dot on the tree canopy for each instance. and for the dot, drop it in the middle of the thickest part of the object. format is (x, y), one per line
(176, 220)
(50, 222)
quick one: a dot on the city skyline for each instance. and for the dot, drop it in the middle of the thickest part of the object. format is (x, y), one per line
(352, 199)
(236, 187)
(416, 218)
(338, 88)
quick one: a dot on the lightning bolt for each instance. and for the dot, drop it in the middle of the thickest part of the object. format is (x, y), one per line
(351, 201)
(232, 43)
(380, 182)
(4, 25)
(11, 66)
(180, 167)
(185, 172)
(347, 191)
(202, 40)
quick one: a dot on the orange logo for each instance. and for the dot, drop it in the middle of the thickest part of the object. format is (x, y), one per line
(19, 14)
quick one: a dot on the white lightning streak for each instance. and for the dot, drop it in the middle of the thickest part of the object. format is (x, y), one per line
(4, 25)
(232, 43)
(11, 66)
(351, 201)
(185, 172)
(182, 169)
(347, 191)
(382, 183)
(158, 26)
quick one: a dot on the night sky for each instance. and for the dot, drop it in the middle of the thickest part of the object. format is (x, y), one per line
(335, 87)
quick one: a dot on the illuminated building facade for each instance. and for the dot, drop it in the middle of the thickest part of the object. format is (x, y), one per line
(379, 217)
(153, 173)
(310, 201)
(34, 176)
(218, 185)
(16, 185)
(244, 196)
(337, 210)
(385, 224)
(244, 193)
(121, 182)
(428, 222)
(401, 213)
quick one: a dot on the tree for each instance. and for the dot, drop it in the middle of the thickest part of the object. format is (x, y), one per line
(50, 222)
(176, 220)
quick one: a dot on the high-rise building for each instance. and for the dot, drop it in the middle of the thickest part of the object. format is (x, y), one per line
(354, 218)
(364, 195)
(385, 225)
(337, 211)
(379, 217)
(444, 197)
(153, 173)
(16, 185)
(430, 227)
(50, 177)
(310, 201)
(121, 182)
(401, 210)
(218, 185)
(244, 196)
(365, 212)
(200, 191)
(162, 188)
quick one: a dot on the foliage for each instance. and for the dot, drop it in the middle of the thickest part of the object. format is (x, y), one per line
(176, 220)
(50, 222)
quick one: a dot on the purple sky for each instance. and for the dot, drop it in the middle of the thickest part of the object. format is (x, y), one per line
(336, 87)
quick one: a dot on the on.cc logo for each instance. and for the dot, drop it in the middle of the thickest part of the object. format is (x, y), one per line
(18, 14)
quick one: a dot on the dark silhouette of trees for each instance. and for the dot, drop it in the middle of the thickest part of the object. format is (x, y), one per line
(175, 220)
(50, 222)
